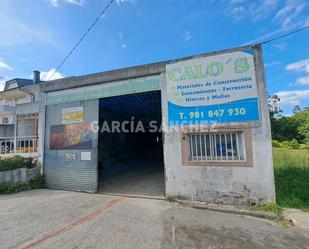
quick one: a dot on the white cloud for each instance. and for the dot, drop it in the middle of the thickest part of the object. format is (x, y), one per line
(76, 2)
(286, 14)
(120, 35)
(292, 98)
(254, 10)
(46, 75)
(281, 46)
(289, 17)
(273, 63)
(238, 13)
(14, 32)
(4, 65)
(262, 9)
(299, 66)
(125, 1)
(187, 36)
(2, 83)
(303, 81)
(56, 3)
(290, 12)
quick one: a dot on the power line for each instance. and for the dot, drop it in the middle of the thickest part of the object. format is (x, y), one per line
(106, 8)
(285, 35)
(83, 36)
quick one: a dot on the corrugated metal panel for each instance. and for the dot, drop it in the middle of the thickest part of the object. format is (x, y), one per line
(73, 175)
(71, 178)
(142, 102)
(110, 89)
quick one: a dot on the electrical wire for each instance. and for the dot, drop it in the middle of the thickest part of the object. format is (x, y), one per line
(81, 39)
(106, 8)
(284, 35)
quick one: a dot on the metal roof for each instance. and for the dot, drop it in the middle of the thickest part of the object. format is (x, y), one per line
(20, 83)
(148, 102)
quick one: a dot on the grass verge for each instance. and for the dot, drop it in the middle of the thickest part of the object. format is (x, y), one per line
(270, 207)
(292, 178)
(274, 208)
(11, 188)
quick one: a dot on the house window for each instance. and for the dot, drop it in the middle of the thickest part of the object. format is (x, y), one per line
(12, 85)
(5, 120)
(223, 146)
(217, 146)
(27, 125)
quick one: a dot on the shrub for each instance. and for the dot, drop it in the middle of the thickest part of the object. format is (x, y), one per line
(11, 188)
(16, 162)
(276, 143)
(304, 146)
(293, 144)
(285, 144)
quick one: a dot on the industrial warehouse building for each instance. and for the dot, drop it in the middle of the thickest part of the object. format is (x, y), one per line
(102, 132)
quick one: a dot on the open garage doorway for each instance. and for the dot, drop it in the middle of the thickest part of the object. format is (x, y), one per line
(130, 149)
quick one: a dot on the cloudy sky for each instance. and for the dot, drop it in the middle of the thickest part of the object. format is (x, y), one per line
(37, 34)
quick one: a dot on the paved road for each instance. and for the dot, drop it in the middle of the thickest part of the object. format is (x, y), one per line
(59, 219)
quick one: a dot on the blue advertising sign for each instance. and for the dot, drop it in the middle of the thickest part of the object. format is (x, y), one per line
(215, 89)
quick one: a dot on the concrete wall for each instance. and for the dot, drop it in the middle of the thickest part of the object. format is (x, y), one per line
(19, 175)
(27, 108)
(74, 175)
(232, 185)
(23, 100)
(41, 129)
(35, 90)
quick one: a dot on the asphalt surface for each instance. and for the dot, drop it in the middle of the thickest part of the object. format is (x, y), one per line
(59, 219)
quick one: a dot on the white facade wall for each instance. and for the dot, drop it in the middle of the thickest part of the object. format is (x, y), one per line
(233, 185)
(6, 115)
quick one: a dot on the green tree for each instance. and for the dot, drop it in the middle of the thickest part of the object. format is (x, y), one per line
(285, 128)
(302, 118)
(296, 109)
(293, 127)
